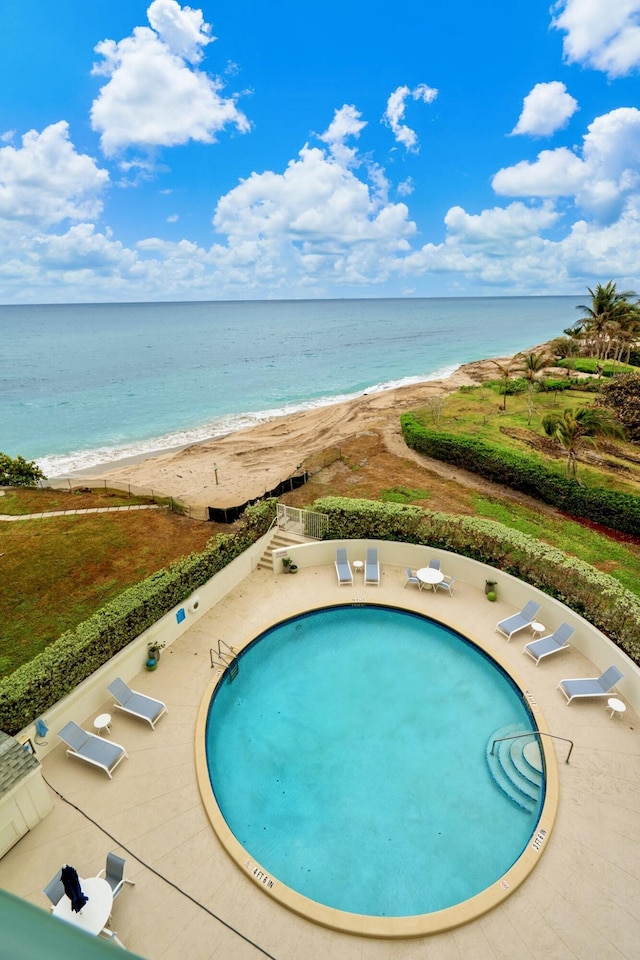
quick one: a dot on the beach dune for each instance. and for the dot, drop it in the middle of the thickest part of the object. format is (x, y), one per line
(230, 470)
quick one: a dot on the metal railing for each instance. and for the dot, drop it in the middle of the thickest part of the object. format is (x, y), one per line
(304, 522)
(225, 657)
(533, 733)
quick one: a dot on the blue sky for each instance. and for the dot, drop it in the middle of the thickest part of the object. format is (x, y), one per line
(154, 151)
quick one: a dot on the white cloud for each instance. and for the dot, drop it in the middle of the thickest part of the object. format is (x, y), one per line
(394, 113)
(501, 224)
(547, 108)
(318, 218)
(346, 123)
(605, 36)
(153, 96)
(181, 28)
(554, 173)
(504, 249)
(607, 173)
(45, 181)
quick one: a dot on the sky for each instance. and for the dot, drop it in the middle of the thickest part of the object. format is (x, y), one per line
(245, 150)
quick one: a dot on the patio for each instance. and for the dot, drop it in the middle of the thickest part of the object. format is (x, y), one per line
(581, 901)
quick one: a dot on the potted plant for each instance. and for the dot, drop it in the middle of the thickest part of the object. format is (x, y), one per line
(153, 654)
(288, 565)
(490, 590)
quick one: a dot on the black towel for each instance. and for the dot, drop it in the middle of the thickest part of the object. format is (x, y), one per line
(72, 888)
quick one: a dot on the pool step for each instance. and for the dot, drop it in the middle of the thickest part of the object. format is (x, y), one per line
(516, 766)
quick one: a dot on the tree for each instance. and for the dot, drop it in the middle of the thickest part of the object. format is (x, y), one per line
(606, 318)
(531, 365)
(621, 394)
(505, 372)
(19, 472)
(574, 429)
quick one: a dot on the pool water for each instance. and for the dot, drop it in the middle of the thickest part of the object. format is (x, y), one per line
(348, 757)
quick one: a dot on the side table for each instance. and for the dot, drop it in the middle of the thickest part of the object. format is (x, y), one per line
(102, 722)
(616, 706)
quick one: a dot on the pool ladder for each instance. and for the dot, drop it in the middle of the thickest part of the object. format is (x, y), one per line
(226, 658)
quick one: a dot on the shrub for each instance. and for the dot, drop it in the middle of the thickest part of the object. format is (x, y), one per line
(596, 596)
(528, 473)
(622, 395)
(19, 472)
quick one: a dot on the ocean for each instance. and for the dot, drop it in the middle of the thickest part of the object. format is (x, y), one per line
(85, 384)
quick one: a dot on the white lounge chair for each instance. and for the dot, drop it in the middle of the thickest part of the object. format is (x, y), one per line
(372, 567)
(343, 567)
(591, 686)
(137, 704)
(552, 643)
(518, 621)
(92, 749)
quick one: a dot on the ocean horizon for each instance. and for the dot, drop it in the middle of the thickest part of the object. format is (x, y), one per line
(86, 384)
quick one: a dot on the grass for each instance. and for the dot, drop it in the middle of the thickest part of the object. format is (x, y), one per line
(476, 412)
(620, 560)
(17, 503)
(56, 572)
(402, 494)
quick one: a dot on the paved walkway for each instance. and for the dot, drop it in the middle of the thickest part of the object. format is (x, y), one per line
(64, 513)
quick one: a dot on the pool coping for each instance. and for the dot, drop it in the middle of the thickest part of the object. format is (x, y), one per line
(371, 926)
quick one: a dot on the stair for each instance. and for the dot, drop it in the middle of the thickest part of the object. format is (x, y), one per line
(516, 766)
(280, 540)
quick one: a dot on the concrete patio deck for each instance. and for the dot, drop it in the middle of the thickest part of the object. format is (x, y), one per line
(190, 900)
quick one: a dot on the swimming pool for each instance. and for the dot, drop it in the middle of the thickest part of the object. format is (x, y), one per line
(348, 759)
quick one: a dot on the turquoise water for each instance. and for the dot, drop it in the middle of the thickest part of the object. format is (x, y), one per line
(348, 758)
(82, 384)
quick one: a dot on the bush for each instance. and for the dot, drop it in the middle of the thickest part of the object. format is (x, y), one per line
(603, 368)
(596, 596)
(36, 686)
(19, 472)
(621, 395)
(527, 473)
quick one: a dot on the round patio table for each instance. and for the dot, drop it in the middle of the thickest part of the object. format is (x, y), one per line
(96, 911)
(429, 575)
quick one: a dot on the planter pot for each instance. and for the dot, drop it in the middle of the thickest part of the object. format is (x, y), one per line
(151, 664)
(489, 586)
(293, 568)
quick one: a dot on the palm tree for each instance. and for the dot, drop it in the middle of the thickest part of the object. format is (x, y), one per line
(608, 309)
(531, 365)
(573, 429)
(505, 372)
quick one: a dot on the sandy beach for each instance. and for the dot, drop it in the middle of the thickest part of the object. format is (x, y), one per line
(247, 463)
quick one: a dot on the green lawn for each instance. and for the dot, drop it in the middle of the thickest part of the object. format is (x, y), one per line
(620, 560)
(476, 412)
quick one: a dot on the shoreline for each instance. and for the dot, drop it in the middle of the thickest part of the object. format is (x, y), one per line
(229, 470)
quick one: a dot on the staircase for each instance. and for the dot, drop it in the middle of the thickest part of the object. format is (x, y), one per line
(280, 540)
(516, 766)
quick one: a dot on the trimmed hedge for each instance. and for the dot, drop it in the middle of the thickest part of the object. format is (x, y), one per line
(528, 474)
(597, 597)
(604, 368)
(36, 686)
